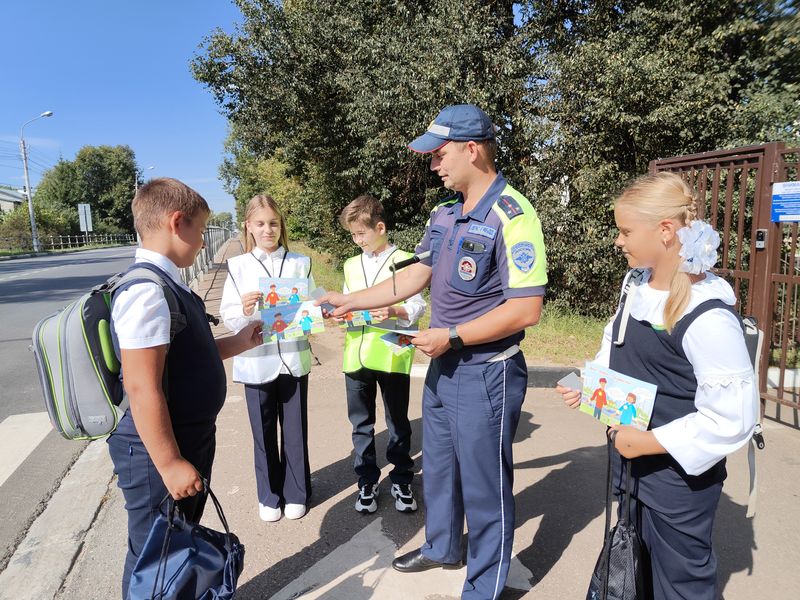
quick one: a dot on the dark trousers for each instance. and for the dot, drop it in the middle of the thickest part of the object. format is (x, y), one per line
(144, 490)
(283, 475)
(362, 391)
(470, 414)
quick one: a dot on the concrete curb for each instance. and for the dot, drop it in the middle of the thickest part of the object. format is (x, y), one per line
(546, 377)
(42, 561)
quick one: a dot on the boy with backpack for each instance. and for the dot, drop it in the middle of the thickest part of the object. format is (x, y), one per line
(172, 375)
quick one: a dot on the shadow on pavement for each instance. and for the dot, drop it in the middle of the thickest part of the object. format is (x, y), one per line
(341, 522)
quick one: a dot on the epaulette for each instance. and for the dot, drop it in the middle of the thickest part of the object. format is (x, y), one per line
(509, 206)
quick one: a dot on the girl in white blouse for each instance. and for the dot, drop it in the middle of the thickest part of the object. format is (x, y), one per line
(275, 375)
(680, 332)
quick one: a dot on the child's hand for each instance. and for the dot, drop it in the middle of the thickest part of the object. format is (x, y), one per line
(249, 302)
(632, 443)
(181, 479)
(572, 398)
(381, 314)
(251, 336)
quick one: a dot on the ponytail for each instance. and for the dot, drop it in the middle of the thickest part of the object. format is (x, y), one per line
(660, 197)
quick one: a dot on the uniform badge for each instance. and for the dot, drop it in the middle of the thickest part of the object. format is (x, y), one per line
(523, 255)
(482, 230)
(467, 269)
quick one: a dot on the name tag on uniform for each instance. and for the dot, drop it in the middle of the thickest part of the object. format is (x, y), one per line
(482, 230)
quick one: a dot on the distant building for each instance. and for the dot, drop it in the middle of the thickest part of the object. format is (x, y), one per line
(10, 198)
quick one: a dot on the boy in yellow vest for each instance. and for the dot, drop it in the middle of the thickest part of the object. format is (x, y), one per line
(369, 362)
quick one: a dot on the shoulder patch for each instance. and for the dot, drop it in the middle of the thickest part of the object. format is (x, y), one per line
(524, 255)
(509, 206)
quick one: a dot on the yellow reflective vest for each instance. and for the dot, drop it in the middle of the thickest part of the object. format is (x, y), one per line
(363, 346)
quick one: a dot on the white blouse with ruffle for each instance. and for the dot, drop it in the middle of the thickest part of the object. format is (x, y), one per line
(727, 392)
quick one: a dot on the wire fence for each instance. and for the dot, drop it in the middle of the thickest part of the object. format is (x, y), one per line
(23, 242)
(215, 237)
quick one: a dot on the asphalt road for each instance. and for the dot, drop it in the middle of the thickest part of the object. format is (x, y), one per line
(31, 288)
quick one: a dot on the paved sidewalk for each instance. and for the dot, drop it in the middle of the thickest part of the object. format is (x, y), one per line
(335, 553)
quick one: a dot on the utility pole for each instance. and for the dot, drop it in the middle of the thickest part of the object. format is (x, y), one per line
(24, 151)
(34, 233)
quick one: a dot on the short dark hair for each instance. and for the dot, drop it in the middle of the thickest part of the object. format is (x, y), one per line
(160, 197)
(489, 148)
(365, 209)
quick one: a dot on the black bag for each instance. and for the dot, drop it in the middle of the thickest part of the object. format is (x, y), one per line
(618, 574)
(187, 561)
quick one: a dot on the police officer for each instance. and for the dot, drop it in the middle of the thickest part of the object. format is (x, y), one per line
(483, 256)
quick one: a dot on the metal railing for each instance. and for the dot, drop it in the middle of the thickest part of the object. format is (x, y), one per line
(215, 237)
(23, 243)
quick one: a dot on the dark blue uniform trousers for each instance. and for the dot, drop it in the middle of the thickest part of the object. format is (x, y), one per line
(144, 490)
(362, 390)
(470, 415)
(283, 476)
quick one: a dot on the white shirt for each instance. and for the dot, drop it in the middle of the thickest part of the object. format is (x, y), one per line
(140, 313)
(263, 363)
(727, 398)
(372, 263)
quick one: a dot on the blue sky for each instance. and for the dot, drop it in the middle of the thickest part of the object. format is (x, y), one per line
(113, 72)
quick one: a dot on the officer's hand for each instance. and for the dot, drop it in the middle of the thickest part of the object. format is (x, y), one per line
(572, 398)
(249, 301)
(433, 342)
(336, 299)
(181, 479)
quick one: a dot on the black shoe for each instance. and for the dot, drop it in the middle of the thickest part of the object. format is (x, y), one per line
(403, 497)
(415, 561)
(367, 503)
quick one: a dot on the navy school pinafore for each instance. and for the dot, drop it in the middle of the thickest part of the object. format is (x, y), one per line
(673, 511)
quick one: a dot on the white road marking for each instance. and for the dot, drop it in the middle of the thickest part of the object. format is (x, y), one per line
(19, 436)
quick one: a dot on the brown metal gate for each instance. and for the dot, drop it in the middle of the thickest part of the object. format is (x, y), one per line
(735, 192)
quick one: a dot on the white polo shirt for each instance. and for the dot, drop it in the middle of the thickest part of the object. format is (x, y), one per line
(140, 313)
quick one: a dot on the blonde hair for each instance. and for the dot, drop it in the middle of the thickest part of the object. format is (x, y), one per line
(659, 197)
(257, 203)
(365, 209)
(161, 197)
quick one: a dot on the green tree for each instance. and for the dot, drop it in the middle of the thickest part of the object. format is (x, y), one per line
(101, 176)
(221, 219)
(627, 82)
(584, 93)
(15, 226)
(335, 90)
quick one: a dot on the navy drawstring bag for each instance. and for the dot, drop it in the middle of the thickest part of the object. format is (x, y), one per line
(619, 572)
(182, 560)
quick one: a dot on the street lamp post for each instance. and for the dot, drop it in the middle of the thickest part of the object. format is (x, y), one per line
(136, 179)
(24, 151)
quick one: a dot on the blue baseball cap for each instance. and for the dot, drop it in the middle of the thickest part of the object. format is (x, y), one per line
(456, 123)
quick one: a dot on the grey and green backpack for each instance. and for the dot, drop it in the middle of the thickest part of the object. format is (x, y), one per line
(77, 365)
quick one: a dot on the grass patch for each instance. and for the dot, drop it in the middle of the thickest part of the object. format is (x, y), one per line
(560, 337)
(563, 338)
(323, 268)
